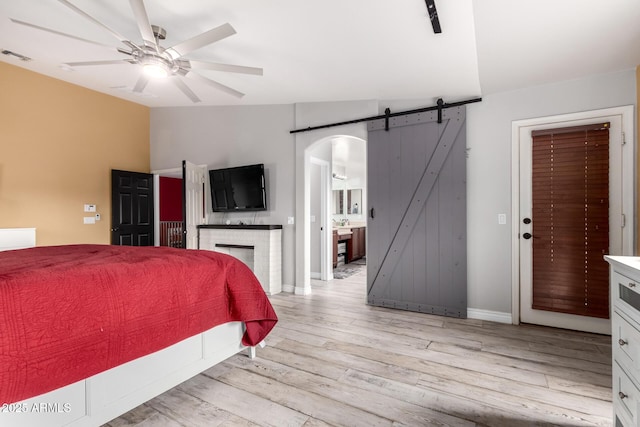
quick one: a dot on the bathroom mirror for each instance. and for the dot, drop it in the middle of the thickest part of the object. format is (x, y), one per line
(338, 202)
(354, 201)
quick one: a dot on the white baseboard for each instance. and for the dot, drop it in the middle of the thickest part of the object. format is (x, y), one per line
(288, 288)
(315, 275)
(492, 316)
(298, 290)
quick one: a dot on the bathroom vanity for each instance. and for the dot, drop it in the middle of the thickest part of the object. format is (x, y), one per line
(625, 335)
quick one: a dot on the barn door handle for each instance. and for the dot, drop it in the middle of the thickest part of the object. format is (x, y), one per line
(114, 229)
(527, 236)
(372, 213)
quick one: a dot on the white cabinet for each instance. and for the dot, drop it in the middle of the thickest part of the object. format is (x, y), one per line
(625, 336)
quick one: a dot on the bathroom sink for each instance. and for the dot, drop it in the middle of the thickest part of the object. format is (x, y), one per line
(343, 230)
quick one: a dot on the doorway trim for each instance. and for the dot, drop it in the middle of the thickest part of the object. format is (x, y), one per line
(326, 272)
(305, 116)
(172, 173)
(303, 206)
(628, 182)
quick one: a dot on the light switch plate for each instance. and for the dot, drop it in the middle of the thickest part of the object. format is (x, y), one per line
(502, 219)
(89, 208)
(89, 220)
(290, 220)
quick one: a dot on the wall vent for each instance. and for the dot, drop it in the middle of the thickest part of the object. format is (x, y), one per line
(17, 55)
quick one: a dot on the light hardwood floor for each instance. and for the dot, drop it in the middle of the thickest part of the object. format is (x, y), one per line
(333, 360)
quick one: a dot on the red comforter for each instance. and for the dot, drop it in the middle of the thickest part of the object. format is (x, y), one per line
(70, 312)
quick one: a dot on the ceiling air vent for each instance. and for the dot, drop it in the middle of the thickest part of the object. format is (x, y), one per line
(17, 55)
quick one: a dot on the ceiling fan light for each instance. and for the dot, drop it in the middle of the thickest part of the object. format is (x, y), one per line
(157, 71)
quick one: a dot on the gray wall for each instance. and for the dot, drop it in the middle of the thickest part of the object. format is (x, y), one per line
(235, 136)
(228, 136)
(489, 170)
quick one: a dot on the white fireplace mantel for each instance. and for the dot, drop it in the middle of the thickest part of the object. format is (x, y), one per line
(265, 240)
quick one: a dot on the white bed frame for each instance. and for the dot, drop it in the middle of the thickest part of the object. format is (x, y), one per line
(105, 396)
(17, 238)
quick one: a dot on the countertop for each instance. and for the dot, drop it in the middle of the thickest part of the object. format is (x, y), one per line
(346, 229)
(243, 226)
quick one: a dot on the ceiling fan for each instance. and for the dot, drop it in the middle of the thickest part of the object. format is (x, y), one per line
(157, 61)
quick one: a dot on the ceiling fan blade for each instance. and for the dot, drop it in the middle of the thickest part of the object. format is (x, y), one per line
(107, 62)
(141, 83)
(60, 33)
(214, 84)
(100, 24)
(142, 19)
(201, 40)
(37, 27)
(185, 89)
(200, 65)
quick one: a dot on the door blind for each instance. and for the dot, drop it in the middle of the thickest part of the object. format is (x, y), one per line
(571, 220)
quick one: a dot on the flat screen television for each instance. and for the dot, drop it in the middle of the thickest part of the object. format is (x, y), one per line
(238, 189)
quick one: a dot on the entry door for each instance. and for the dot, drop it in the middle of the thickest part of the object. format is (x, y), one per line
(193, 205)
(131, 208)
(564, 252)
(416, 247)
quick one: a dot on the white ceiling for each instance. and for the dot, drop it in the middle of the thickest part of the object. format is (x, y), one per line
(332, 50)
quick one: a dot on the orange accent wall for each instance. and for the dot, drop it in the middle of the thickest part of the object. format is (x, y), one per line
(58, 144)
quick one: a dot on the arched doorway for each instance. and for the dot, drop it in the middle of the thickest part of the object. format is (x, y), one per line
(338, 188)
(306, 146)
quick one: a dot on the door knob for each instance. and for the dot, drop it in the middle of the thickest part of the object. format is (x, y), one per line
(527, 236)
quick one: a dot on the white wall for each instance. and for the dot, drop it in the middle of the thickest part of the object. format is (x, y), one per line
(489, 174)
(235, 136)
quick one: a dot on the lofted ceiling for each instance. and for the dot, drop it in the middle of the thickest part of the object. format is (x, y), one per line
(334, 50)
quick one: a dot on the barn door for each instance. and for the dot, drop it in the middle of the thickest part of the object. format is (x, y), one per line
(193, 214)
(416, 250)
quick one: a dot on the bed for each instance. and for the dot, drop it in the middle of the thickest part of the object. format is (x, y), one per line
(88, 332)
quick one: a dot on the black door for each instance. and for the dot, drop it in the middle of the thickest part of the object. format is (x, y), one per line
(131, 208)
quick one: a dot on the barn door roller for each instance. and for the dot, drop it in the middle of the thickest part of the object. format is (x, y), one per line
(433, 16)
